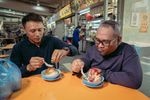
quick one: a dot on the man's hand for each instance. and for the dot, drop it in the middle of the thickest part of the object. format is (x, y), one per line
(76, 65)
(58, 55)
(35, 62)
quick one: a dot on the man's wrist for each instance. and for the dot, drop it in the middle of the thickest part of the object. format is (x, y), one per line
(66, 49)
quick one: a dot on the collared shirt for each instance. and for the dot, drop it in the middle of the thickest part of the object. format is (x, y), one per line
(120, 67)
(24, 50)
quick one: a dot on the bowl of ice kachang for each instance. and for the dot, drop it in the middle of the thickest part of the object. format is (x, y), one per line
(94, 78)
(50, 74)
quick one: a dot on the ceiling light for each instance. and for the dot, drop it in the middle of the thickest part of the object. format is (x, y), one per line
(38, 3)
(39, 8)
(84, 11)
(1, 0)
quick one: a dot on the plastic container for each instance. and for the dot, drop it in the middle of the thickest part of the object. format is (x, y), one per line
(10, 78)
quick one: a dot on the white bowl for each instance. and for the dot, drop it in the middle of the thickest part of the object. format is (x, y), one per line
(53, 76)
(93, 84)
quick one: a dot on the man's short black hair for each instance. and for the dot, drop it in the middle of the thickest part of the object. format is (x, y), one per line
(31, 17)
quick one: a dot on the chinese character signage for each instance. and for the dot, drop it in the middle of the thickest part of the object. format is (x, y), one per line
(66, 11)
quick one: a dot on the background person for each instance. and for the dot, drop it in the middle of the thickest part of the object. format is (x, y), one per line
(29, 53)
(76, 37)
(118, 61)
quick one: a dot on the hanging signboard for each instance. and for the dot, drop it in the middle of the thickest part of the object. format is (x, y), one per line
(87, 3)
(66, 11)
(82, 4)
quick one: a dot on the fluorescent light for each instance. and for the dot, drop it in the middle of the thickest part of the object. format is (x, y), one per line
(1, 0)
(96, 21)
(84, 11)
(38, 3)
(11, 12)
(39, 8)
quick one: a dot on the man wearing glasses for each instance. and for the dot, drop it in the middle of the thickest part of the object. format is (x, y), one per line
(117, 61)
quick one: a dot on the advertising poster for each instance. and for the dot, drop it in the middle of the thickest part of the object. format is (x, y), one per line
(144, 22)
(135, 19)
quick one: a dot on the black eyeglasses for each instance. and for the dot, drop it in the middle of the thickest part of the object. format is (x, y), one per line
(105, 43)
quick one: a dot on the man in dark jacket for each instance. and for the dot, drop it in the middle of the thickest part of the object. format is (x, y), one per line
(30, 53)
(118, 61)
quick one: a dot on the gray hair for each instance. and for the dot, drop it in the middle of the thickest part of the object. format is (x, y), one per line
(113, 24)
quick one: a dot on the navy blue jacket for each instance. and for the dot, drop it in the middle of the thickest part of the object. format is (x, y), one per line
(120, 67)
(24, 50)
(76, 36)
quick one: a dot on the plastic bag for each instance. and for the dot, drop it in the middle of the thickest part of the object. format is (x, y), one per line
(10, 78)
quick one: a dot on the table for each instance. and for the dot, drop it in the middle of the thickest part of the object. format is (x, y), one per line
(4, 41)
(7, 47)
(4, 55)
(71, 88)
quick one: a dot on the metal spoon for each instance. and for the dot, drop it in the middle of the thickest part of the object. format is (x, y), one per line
(57, 65)
(83, 74)
(48, 65)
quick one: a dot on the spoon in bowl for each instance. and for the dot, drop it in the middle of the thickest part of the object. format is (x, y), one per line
(83, 74)
(48, 65)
